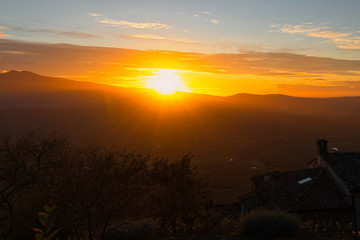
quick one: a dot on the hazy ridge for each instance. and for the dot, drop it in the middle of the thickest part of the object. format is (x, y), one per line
(229, 136)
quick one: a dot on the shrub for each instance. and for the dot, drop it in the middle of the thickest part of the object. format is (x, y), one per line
(134, 230)
(328, 229)
(270, 225)
(212, 221)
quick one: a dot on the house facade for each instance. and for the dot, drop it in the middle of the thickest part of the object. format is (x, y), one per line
(329, 189)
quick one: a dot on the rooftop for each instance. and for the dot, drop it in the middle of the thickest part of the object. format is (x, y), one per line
(347, 166)
(301, 190)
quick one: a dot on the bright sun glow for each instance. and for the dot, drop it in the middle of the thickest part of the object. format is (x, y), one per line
(166, 81)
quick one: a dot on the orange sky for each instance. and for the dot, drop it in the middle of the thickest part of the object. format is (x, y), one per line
(300, 48)
(217, 74)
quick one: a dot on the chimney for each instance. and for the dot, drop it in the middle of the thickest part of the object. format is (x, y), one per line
(267, 178)
(321, 146)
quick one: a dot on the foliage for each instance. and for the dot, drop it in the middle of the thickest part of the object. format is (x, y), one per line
(47, 221)
(99, 186)
(270, 225)
(178, 195)
(94, 188)
(26, 163)
(133, 230)
(212, 221)
(328, 229)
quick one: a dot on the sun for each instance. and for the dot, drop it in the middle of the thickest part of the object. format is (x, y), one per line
(166, 82)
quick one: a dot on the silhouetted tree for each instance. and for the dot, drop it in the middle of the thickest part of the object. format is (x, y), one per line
(25, 163)
(99, 187)
(94, 188)
(179, 194)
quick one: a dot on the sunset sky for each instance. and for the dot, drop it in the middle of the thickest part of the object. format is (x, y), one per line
(221, 47)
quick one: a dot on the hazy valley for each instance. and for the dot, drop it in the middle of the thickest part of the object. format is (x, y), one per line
(230, 137)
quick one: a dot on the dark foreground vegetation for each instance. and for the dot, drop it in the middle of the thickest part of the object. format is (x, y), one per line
(50, 189)
(95, 189)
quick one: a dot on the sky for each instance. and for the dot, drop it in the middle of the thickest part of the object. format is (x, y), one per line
(221, 47)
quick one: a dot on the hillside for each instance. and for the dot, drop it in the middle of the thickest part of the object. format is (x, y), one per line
(340, 106)
(229, 136)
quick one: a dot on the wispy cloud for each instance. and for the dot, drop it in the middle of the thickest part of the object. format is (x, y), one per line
(143, 36)
(127, 24)
(293, 74)
(253, 63)
(72, 76)
(343, 40)
(252, 48)
(205, 16)
(142, 25)
(95, 14)
(68, 33)
(54, 31)
(1, 33)
(159, 38)
(13, 52)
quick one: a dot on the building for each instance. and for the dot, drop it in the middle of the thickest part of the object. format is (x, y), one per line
(330, 189)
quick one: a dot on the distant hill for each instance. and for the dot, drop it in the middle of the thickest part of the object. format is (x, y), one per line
(30, 84)
(25, 81)
(229, 136)
(314, 106)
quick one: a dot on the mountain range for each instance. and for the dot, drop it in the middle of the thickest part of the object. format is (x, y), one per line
(230, 137)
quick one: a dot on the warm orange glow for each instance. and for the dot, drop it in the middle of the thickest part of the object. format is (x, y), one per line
(213, 74)
(166, 82)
